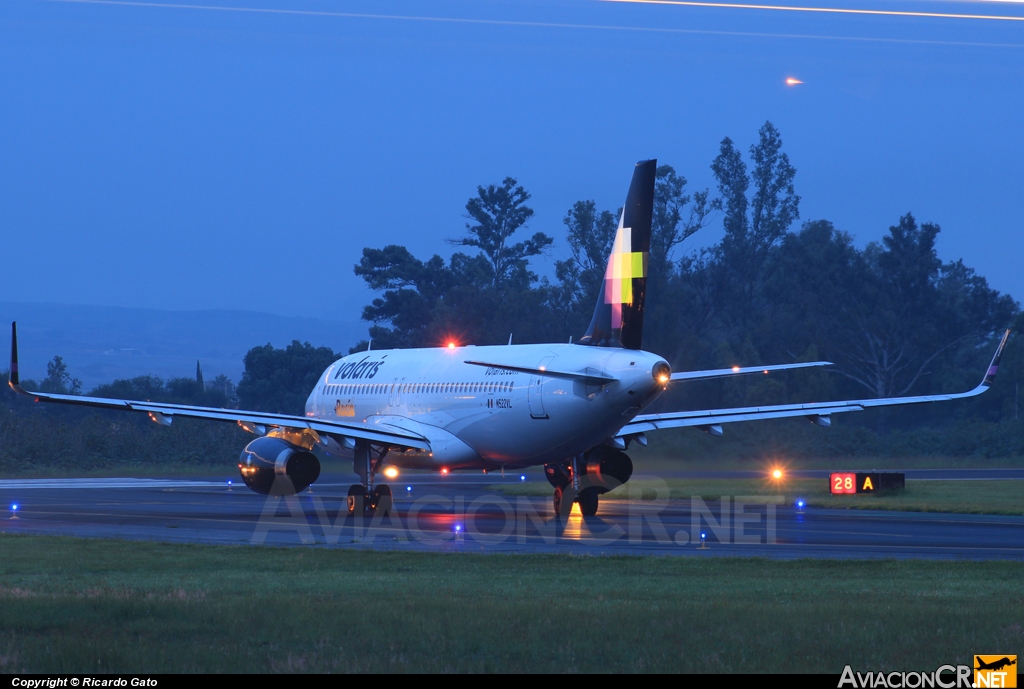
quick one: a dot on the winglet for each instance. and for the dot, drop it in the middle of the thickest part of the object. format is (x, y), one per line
(990, 374)
(12, 378)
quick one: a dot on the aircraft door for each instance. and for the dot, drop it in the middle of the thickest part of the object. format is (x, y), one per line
(535, 394)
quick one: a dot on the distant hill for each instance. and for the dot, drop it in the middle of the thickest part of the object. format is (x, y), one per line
(101, 343)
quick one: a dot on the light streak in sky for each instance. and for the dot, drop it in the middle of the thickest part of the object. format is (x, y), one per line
(791, 81)
(543, 25)
(829, 10)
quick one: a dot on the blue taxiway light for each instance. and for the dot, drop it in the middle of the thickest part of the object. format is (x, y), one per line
(800, 504)
(458, 527)
(14, 507)
(408, 489)
(523, 477)
(703, 535)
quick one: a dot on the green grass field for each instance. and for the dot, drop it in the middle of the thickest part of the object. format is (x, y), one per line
(966, 497)
(69, 605)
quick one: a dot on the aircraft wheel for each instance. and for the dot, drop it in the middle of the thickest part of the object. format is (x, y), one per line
(382, 500)
(356, 501)
(562, 502)
(588, 502)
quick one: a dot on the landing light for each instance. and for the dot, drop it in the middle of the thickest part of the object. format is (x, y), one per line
(777, 474)
(391, 472)
(444, 471)
(451, 345)
(735, 368)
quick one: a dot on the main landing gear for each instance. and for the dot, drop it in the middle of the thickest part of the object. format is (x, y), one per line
(364, 497)
(361, 501)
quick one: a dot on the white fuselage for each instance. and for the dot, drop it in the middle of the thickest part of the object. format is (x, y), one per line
(481, 417)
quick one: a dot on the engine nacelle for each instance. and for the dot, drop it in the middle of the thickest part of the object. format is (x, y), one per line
(603, 467)
(272, 466)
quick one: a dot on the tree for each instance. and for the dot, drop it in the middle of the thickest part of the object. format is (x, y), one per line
(589, 234)
(498, 212)
(279, 380)
(58, 380)
(180, 390)
(772, 209)
(411, 292)
(223, 386)
(146, 388)
(919, 312)
(668, 229)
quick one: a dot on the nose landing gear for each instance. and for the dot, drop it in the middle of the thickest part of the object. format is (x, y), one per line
(585, 477)
(587, 499)
(568, 490)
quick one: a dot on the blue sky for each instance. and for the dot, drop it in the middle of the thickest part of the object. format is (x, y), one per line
(192, 158)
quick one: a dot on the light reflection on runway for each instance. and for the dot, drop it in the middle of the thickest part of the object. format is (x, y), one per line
(463, 514)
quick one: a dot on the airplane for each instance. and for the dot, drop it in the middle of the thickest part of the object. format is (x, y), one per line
(996, 664)
(573, 408)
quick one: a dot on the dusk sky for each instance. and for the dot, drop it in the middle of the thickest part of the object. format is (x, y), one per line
(185, 158)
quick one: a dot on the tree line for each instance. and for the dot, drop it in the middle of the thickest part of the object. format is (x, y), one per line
(894, 317)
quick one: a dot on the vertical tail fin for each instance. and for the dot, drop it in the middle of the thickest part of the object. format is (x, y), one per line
(619, 314)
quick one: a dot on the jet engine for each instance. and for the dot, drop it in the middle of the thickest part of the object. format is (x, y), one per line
(272, 466)
(603, 468)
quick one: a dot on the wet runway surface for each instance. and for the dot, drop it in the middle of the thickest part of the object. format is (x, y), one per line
(462, 513)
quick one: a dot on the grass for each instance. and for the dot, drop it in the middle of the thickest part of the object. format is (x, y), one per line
(963, 497)
(656, 459)
(69, 605)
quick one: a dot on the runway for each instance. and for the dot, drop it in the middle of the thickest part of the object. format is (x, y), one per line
(462, 513)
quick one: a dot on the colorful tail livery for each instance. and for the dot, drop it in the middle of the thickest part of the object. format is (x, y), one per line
(619, 315)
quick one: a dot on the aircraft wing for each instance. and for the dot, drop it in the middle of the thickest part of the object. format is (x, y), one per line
(737, 371)
(818, 412)
(164, 413)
